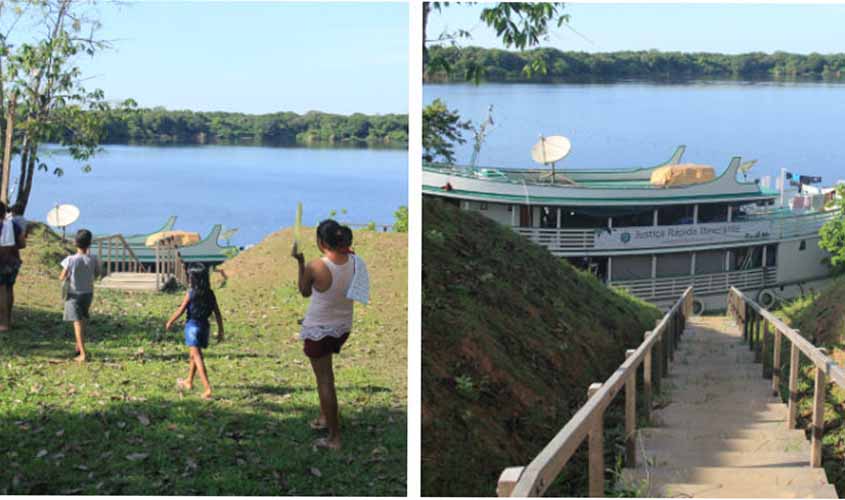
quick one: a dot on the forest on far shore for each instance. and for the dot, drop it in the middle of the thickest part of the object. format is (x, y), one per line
(457, 64)
(128, 125)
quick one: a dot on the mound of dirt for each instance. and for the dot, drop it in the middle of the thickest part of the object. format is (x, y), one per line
(512, 338)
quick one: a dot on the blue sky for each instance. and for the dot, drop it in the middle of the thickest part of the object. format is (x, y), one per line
(255, 57)
(728, 28)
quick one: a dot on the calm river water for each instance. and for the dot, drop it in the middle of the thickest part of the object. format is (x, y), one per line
(133, 189)
(798, 126)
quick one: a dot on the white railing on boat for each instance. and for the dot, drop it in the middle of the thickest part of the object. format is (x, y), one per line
(569, 240)
(667, 288)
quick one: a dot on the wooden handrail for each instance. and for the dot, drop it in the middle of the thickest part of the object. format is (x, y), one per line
(755, 321)
(535, 478)
(169, 263)
(126, 260)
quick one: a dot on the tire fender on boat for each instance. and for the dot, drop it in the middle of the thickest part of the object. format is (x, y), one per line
(698, 307)
(766, 298)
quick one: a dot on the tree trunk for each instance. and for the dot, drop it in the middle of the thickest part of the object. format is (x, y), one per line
(23, 195)
(24, 161)
(425, 8)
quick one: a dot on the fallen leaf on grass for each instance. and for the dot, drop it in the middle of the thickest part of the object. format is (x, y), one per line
(136, 457)
(145, 420)
(60, 433)
(316, 472)
(41, 454)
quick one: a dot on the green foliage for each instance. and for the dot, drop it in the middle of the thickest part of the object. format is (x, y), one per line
(400, 223)
(158, 125)
(547, 64)
(517, 24)
(465, 387)
(371, 226)
(41, 80)
(833, 234)
(442, 128)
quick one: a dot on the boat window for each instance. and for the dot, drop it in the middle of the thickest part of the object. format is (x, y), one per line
(746, 258)
(710, 261)
(712, 212)
(641, 218)
(575, 218)
(674, 215)
(771, 255)
(548, 217)
(482, 206)
(674, 264)
(632, 267)
(802, 245)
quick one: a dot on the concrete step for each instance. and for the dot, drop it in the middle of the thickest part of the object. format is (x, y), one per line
(725, 434)
(797, 443)
(676, 456)
(729, 477)
(715, 490)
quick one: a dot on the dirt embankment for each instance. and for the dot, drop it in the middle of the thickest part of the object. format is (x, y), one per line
(512, 338)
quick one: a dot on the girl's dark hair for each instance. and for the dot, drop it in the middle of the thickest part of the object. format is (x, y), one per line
(334, 235)
(2, 209)
(83, 239)
(202, 298)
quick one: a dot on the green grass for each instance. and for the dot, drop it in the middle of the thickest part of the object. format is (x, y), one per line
(117, 425)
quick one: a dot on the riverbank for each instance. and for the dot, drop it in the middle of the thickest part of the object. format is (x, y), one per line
(117, 425)
(157, 126)
(496, 65)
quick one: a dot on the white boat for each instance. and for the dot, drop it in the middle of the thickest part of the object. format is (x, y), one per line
(651, 240)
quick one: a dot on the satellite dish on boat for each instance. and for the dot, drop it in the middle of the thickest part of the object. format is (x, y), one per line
(62, 216)
(548, 150)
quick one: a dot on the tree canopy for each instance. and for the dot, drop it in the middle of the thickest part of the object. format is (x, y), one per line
(129, 125)
(463, 63)
(833, 234)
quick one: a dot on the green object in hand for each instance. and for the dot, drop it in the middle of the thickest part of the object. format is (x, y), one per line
(297, 225)
(65, 289)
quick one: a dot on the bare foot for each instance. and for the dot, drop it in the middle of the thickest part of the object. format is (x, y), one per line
(80, 359)
(318, 424)
(183, 384)
(206, 395)
(327, 443)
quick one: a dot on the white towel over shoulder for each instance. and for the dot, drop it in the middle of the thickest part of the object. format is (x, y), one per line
(359, 288)
(7, 233)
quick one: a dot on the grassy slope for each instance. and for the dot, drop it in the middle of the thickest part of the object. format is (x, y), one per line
(821, 319)
(68, 428)
(512, 337)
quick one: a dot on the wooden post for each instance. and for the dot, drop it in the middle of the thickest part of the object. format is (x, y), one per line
(745, 324)
(508, 480)
(793, 386)
(776, 364)
(758, 341)
(818, 416)
(670, 340)
(631, 416)
(658, 363)
(751, 321)
(596, 449)
(7, 152)
(647, 391)
(764, 347)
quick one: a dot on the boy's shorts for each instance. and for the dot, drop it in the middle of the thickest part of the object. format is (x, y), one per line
(77, 305)
(196, 333)
(325, 346)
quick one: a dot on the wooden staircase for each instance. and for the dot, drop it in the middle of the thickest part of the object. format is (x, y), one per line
(124, 271)
(140, 282)
(721, 432)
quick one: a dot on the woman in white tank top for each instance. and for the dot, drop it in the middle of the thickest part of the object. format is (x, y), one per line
(328, 321)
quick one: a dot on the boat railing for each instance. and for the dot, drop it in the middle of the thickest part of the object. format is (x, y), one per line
(667, 288)
(568, 240)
